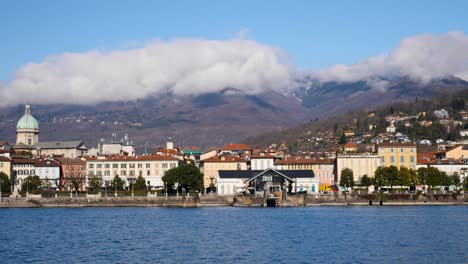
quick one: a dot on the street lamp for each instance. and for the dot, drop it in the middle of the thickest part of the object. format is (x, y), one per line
(132, 182)
(177, 188)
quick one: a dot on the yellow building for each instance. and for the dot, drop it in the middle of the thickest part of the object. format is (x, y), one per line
(5, 165)
(397, 154)
(360, 163)
(213, 165)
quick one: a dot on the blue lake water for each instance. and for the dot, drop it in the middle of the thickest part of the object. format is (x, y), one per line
(432, 234)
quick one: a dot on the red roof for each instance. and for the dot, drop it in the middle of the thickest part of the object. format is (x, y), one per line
(23, 161)
(396, 145)
(237, 147)
(139, 158)
(46, 163)
(4, 158)
(349, 145)
(302, 160)
(225, 159)
(63, 160)
(263, 156)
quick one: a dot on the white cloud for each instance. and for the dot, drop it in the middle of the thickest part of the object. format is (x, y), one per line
(421, 57)
(195, 66)
(184, 66)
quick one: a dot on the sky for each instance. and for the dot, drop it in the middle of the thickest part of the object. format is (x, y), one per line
(279, 37)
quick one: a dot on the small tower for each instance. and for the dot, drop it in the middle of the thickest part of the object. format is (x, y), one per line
(169, 144)
(27, 129)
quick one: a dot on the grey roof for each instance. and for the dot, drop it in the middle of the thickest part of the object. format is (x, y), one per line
(60, 144)
(248, 174)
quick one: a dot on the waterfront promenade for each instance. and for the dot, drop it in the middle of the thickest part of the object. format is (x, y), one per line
(214, 200)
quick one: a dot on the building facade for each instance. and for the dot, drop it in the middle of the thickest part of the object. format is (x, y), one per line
(360, 163)
(213, 165)
(5, 165)
(397, 154)
(152, 168)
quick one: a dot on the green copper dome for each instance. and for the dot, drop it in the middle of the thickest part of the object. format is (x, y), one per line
(27, 121)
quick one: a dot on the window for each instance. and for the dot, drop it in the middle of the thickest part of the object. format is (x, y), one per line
(392, 159)
(148, 173)
(1, 165)
(91, 166)
(107, 173)
(140, 165)
(164, 165)
(132, 173)
(411, 158)
(123, 173)
(140, 173)
(402, 159)
(391, 150)
(99, 166)
(115, 166)
(132, 165)
(123, 166)
(99, 173)
(412, 150)
(173, 165)
(148, 165)
(107, 165)
(401, 150)
(29, 141)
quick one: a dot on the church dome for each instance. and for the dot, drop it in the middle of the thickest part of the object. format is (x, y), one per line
(27, 121)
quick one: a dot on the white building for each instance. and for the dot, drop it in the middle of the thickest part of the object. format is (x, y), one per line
(48, 172)
(262, 162)
(152, 168)
(256, 181)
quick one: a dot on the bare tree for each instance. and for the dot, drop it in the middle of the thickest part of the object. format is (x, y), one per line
(75, 176)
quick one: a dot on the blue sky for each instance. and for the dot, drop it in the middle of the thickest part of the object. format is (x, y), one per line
(315, 34)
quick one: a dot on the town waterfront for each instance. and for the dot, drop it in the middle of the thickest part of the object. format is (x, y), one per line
(419, 234)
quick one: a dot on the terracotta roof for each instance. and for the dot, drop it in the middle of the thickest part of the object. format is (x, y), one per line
(5, 151)
(302, 160)
(3, 143)
(425, 158)
(349, 145)
(63, 160)
(237, 147)
(264, 156)
(167, 151)
(225, 159)
(138, 158)
(46, 163)
(4, 158)
(396, 145)
(23, 161)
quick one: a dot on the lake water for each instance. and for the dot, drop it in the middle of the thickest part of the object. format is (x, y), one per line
(432, 234)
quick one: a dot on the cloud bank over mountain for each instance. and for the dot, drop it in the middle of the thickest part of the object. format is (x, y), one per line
(421, 57)
(195, 66)
(183, 67)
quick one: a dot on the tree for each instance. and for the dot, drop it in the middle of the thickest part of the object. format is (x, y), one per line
(75, 176)
(140, 184)
(458, 104)
(366, 181)
(455, 179)
(5, 182)
(95, 184)
(408, 177)
(343, 139)
(379, 177)
(187, 175)
(347, 178)
(392, 176)
(117, 182)
(432, 176)
(31, 183)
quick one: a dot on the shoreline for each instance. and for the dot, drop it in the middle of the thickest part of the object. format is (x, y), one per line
(191, 202)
